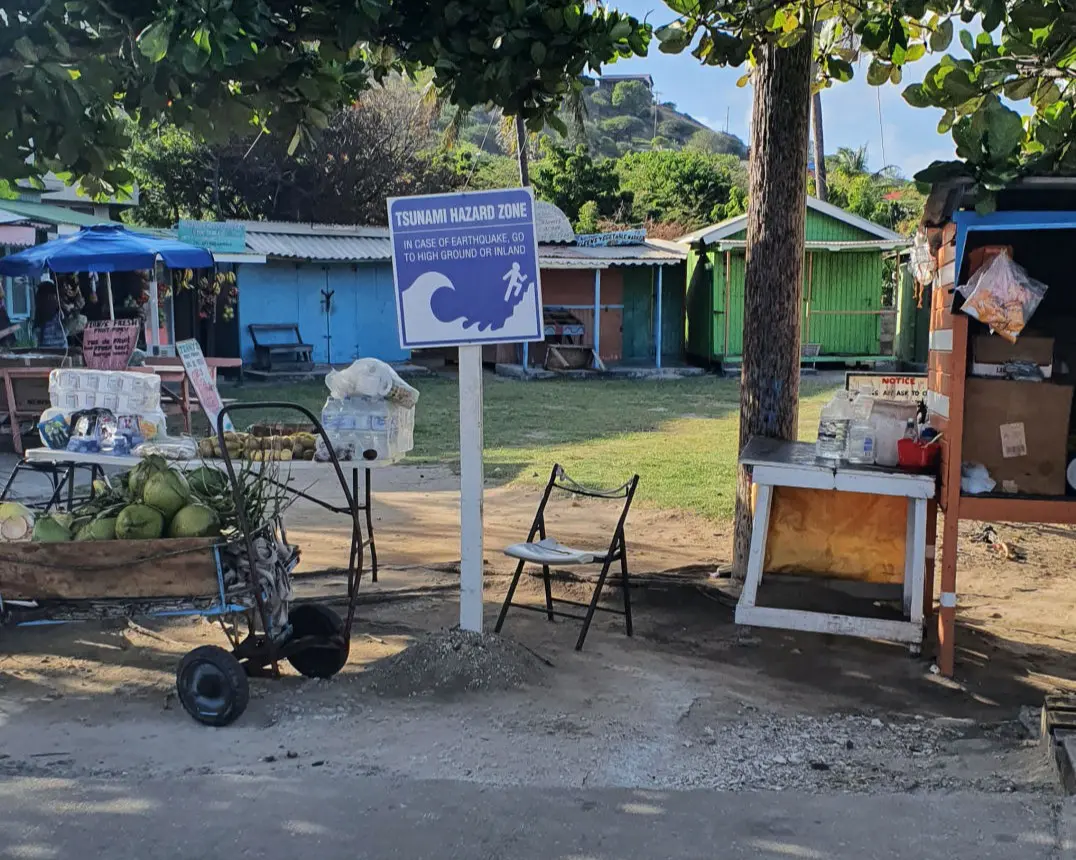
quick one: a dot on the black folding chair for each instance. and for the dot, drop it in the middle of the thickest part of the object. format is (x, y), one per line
(547, 551)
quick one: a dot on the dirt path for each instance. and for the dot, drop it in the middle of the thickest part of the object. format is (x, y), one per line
(691, 700)
(417, 525)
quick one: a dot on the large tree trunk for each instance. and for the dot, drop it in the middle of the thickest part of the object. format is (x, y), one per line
(777, 189)
(521, 152)
(820, 189)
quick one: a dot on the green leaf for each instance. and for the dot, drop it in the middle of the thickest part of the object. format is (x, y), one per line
(958, 86)
(895, 75)
(967, 41)
(915, 52)
(838, 69)
(200, 37)
(538, 53)
(153, 41)
(1005, 131)
(295, 140)
(572, 17)
(916, 95)
(743, 80)
(1020, 89)
(942, 36)
(673, 38)
(683, 7)
(878, 72)
(26, 49)
(945, 124)
(558, 125)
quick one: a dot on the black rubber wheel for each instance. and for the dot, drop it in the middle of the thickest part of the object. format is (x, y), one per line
(321, 661)
(212, 686)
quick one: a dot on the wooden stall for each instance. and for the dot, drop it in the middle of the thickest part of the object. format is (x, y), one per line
(1018, 429)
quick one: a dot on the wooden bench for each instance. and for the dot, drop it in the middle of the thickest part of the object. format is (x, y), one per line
(266, 350)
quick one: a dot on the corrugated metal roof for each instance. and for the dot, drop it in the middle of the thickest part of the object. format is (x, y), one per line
(574, 257)
(825, 245)
(732, 226)
(47, 214)
(350, 249)
(296, 228)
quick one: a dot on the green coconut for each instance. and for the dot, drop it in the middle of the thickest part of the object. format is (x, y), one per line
(194, 521)
(140, 474)
(167, 492)
(16, 522)
(103, 528)
(50, 530)
(139, 522)
(207, 482)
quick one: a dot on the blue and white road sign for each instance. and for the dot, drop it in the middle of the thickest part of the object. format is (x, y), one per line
(466, 268)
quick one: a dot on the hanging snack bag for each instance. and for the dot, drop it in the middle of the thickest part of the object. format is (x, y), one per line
(1003, 296)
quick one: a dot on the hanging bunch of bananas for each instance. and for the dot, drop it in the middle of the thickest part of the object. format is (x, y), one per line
(217, 296)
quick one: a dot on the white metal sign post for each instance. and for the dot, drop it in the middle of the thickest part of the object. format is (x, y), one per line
(465, 267)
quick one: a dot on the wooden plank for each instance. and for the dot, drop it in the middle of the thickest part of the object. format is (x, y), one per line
(125, 569)
(1014, 509)
(759, 533)
(823, 622)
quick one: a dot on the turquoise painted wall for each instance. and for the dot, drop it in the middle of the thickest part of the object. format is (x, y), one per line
(362, 313)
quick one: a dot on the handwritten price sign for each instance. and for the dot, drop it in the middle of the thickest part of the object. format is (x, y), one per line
(108, 345)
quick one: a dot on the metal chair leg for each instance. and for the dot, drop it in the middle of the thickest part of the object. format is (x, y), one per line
(624, 586)
(508, 598)
(593, 604)
(548, 592)
(370, 528)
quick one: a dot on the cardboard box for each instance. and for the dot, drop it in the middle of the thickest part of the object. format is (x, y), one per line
(1019, 431)
(990, 352)
(979, 257)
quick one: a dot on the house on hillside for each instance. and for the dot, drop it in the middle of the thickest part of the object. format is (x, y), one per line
(844, 318)
(336, 283)
(611, 81)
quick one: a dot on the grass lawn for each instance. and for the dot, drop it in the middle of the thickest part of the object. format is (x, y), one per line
(680, 436)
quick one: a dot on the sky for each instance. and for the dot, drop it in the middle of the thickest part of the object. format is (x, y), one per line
(908, 136)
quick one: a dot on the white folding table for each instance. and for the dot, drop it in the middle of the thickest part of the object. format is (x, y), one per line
(777, 463)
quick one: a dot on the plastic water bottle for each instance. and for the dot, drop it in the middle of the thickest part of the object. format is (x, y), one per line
(833, 426)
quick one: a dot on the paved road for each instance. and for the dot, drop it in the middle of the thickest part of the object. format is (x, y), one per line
(317, 814)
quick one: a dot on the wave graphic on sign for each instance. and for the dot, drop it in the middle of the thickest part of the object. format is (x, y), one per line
(436, 310)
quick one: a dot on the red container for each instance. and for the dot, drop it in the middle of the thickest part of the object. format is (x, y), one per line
(917, 456)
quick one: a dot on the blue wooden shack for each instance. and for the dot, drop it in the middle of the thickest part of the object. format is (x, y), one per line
(334, 281)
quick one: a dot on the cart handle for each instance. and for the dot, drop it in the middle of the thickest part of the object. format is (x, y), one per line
(240, 507)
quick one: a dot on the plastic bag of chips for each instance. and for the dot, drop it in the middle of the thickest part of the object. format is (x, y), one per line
(1003, 296)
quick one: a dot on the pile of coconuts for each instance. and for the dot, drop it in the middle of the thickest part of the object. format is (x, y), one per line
(151, 501)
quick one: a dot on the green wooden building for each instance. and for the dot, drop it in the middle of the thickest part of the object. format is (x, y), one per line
(843, 316)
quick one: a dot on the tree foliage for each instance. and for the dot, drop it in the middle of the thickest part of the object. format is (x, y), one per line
(686, 187)
(570, 179)
(380, 147)
(623, 128)
(1022, 54)
(716, 143)
(71, 73)
(633, 97)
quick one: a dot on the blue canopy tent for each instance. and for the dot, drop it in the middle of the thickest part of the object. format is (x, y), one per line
(107, 248)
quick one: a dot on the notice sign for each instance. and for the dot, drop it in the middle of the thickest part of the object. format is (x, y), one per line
(466, 268)
(902, 387)
(109, 344)
(223, 237)
(194, 363)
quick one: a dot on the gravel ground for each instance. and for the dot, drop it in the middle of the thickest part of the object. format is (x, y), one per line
(847, 752)
(451, 662)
